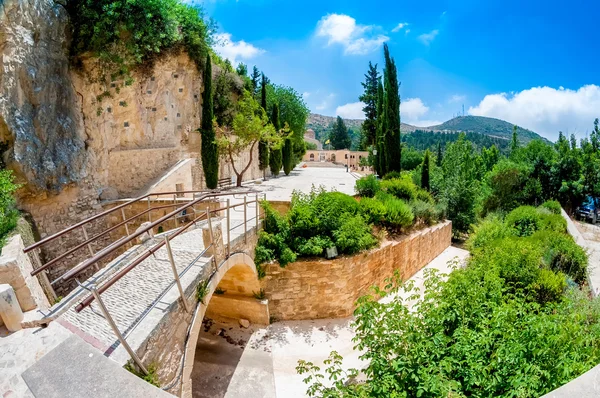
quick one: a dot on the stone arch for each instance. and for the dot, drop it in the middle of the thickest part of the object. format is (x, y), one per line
(333, 157)
(237, 273)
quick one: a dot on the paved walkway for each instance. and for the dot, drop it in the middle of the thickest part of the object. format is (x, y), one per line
(302, 179)
(267, 365)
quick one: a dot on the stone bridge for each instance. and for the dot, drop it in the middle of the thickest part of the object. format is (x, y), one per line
(144, 309)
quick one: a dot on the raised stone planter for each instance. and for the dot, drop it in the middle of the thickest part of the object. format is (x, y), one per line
(320, 288)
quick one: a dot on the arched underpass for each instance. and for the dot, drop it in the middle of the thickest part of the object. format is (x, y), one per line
(209, 364)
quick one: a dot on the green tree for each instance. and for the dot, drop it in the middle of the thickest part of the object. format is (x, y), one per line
(489, 157)
(223, 104)
(288, 156)
(380, 158)
(242, 70)
(369, 98)
(514, 143)
(440, 157)
(250, 125)
(209, 151)
(263, 146)
(276, 154)
(339, 136)
(425, 172)
(391, 114)
(254, 77)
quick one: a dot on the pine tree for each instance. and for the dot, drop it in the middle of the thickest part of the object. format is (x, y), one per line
(438, 160)
(514, 143)
(288, 156)
(369, 98)
(392, 114)
(339, 136)
(425, 172)
(380, 163)
(254, 77)
(209, 151)
(263, 147)
(276, 155)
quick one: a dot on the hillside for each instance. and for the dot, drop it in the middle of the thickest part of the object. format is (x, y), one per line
(485, 125)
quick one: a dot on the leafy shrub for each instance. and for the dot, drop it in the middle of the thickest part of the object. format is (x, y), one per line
(329, 208)
(402, 188)
(353, 236)
(486, 232)
(561, 253)
(392, 175)
(398, 214)
(424, 195)
(549, 286)
(552, 205)
(372, 209)
(367, 186)
(314, 246)
(552, 222)
(426, 212)
(524, 220)
(287, 256)
(9, 214)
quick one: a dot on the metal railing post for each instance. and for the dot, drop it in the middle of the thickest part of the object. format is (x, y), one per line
(125, 219)
(257, 212)
(212, 239)
(228, 228)
(85, 236)
(245, 220)
(150, 211)
(115, 329)
(175, 274)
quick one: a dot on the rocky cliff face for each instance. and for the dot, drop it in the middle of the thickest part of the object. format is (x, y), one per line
(40, 116)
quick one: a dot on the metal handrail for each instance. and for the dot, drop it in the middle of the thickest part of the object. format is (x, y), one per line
(75, 271)
(109, 211)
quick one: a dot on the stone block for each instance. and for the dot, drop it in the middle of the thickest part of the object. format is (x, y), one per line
(10, 310)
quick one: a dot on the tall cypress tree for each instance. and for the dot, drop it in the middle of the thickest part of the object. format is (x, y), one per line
(438, 160)
(392, 114)
(369, 98)
(514, 144)
(263, 146)
(209, 150)
(288, 156)
(254, 78)
(276, 155)
(379, 139)
(425, 172)
(339, 136)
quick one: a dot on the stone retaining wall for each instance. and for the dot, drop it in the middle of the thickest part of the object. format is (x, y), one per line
(320, 288)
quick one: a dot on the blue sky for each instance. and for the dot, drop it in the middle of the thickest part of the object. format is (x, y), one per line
(534, 63)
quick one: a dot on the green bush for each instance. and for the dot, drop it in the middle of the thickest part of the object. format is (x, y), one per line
(553, 206)
(329, 208)
(354, 235)
(561, 253)
(392, 175)
(552, 222)
(402, 188)
(486, 232)
(524, 220)
(372, 209)
(367, 186)
(549, 287)
(9, 214)
(314, 246)
(425, 212)
(398, 213)
(424, 195)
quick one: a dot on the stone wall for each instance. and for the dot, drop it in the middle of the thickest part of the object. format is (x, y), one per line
(320, 288)
(179, 177)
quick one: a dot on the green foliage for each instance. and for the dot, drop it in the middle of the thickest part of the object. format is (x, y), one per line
(398, 214)
(367, 186)
(524, 220)
(260, 295)
(314, 246)
(511, 186)
(209, 150)
(369, 98)
(373, 210)
(402, 188)
(552, 205)
(549, 286)
(425, 172)
(562, 254)
(202, 290)
(9, 215)
(151, 377)
(426, 212)
(287, 156)
(339, 136)
(125, 34)
(391, 114)
(487, 231)
(488, 126)
(353, 235)
(220, 291)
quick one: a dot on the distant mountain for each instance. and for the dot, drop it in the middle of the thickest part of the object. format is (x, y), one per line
(491, 127)
(484, 125)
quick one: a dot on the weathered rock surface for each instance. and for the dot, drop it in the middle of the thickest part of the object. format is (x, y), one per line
(40, 113)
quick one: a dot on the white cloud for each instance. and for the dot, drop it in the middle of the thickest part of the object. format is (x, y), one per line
(545, 110)
(400, 26)
(427, 38)
(325, 102)
(456, 98)
(343, 29)
(235, 51)
(407, 31)
(351, 111)
(305, 94)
